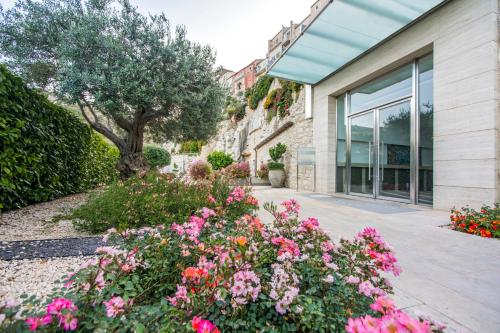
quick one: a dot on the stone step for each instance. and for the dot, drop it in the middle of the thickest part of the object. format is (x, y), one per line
(256, 181)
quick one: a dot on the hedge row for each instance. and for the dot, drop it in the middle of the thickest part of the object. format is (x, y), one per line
(45, 150)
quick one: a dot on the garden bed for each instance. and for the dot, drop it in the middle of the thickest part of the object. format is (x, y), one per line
(484, 223)
(220, 269)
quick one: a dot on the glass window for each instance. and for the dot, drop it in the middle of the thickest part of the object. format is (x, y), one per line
(426, 111)
(341, 144)
(385, 89)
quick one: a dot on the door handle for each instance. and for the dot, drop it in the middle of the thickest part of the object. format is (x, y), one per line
(369, 160)
(382, 157)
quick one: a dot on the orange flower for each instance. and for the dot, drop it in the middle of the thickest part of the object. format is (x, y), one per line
(241, 240)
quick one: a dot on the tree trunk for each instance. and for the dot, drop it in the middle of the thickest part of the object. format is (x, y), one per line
(132, 161)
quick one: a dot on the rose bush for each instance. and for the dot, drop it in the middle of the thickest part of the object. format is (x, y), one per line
(223, 270)
(484, 223)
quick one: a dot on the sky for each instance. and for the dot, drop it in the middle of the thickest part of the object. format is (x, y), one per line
(237, 29)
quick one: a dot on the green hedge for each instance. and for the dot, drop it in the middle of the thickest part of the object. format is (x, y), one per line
(45, 150)
(156, 156)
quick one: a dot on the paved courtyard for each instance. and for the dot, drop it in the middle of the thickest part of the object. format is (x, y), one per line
(451, 276)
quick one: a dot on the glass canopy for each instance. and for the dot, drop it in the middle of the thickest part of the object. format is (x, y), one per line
(342, 31)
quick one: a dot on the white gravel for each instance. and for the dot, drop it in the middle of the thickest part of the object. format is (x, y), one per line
(35, 221)
(34, 276)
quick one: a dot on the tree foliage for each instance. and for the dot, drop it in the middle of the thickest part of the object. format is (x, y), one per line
(118, 66)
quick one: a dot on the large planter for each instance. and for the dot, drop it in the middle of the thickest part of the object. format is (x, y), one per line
(277, 177)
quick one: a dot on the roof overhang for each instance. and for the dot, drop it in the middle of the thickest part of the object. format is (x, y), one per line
(344, 31)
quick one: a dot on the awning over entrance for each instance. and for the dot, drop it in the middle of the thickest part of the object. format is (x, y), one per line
(344, 30)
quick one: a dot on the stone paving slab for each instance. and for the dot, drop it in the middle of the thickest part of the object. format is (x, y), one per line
(48, 248)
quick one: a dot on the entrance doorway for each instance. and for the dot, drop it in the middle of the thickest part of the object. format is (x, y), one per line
(379, 152)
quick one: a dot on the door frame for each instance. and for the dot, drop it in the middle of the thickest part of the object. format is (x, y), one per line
(375, 152)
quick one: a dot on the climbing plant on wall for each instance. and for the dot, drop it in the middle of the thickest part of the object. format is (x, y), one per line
(258, 91)
(280, 99)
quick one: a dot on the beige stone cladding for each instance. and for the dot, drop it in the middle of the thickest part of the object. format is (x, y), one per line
(463, 36)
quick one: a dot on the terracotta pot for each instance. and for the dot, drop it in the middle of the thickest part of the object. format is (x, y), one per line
(277, 178)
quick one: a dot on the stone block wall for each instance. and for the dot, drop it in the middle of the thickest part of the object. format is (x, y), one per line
(241, 139)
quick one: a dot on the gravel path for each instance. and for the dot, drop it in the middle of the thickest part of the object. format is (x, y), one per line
(35, 221)
(30, 232)
(34, 276)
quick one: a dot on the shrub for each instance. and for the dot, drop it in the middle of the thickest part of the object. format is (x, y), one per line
(238, 170)
(222, 269)
(235, 108)
(156, 156)
(276, 152)
(263, 171)
(258, 91)
(151, 200)
(484, 223)
(191, 147)
(219, 159)
(275, 165)
(45, 150)
(199, 170)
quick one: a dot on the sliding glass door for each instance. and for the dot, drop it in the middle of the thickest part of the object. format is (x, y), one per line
(394, 150)
(385, 136)
(361, 148)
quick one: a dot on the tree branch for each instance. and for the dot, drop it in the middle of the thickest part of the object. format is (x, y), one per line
(119, 142)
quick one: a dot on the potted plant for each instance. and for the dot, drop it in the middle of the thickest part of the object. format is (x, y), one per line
(276, 166)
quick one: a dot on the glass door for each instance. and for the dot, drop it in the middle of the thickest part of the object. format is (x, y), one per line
(361, 154)
(394, 153)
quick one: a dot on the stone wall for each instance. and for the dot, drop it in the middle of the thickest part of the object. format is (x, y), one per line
(242, 138)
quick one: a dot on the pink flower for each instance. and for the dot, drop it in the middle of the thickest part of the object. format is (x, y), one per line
(99, 281)
(207, 212)
(211, 199)
(58, 304)
(383, 305)
(236, 195)
(35, 322)
(309, 225)
(68, 322)
(180, 295)
(286, 246)
(291, 206)
(246, 286)
(114, 306)
(203, 326)
(352, 279)
(366, 288)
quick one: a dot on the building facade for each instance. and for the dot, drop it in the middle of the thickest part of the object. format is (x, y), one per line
(409, 113)
(245, 78)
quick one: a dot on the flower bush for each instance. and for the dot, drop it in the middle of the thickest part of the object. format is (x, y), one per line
(484, 223)
(263, 171)
(238, 170)
(147, 201)
(223, 270)
(199, 170)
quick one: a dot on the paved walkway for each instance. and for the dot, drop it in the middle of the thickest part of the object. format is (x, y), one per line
(451, 276)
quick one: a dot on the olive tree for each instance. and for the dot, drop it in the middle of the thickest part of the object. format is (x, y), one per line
(129, 74)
